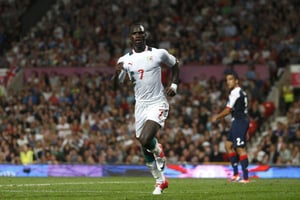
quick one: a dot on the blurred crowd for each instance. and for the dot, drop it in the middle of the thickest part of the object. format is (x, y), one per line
(79, 119)
(95, 33)
(281, 142)
(11, 12)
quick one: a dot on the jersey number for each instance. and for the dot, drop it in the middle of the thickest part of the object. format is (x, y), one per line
(141, 75)
(239, 142)
(141, 71)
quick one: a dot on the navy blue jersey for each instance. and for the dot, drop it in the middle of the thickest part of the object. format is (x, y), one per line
(238, 103)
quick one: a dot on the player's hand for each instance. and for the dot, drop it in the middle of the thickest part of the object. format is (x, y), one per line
(170, 92)
(214, 119)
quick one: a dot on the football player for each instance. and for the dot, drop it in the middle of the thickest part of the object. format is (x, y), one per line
(143, 67)
(237, 106)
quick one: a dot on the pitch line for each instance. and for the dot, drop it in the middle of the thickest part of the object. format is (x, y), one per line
(102, 191)
(77, 191)
(69, 183)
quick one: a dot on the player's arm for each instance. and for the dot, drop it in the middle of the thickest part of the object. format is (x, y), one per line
(172, 89)
(221, 115)
(118, 76)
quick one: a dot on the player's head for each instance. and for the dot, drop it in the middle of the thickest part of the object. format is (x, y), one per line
(232, 79)
(138, 36)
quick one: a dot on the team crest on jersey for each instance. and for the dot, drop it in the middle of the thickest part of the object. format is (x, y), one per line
(150, 58)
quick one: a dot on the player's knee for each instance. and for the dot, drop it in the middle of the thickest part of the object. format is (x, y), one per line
(143, 140)
(228, 146)
(146, 141)
(241, 151)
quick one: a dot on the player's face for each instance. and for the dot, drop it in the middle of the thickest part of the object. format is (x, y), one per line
(231, 81)
(138, 37)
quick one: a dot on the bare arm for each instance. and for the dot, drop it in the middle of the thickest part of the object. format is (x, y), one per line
(172, 89)
(115, 78)
(221, 115)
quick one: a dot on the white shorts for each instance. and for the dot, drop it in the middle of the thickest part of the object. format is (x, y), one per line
(156, 111)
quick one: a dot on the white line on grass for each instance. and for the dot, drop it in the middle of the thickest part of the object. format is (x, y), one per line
(76, 191)
(102, 191)
(69, 183)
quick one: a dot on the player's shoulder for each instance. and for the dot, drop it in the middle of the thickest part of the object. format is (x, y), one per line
(158, 50)
(236, 90)
(124, 57)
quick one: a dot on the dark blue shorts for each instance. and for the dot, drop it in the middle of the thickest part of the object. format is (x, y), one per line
(238, 132)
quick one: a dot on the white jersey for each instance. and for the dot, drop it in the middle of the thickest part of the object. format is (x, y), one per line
(144, 71)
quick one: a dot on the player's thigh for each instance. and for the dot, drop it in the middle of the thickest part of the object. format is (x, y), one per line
(239, 131)
(158, 112)
(140, 113)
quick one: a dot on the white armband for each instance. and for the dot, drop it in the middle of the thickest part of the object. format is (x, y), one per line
(174, 87)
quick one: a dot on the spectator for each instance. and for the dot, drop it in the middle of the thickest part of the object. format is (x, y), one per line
(63, 128)
(26, 155)
(295, 156)
(272, 155)
(218, 39)
(285, 156)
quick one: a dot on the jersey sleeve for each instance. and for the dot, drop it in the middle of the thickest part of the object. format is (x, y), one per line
(122, 74)
(233, 96)
(168, 58)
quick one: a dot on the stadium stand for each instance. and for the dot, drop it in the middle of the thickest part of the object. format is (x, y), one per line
(77, 119)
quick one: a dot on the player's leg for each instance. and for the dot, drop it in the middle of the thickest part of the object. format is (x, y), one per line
(232, 156)
(149, 141)
(160, 180)
(156, 114)
(149, 119)
(244, 162)
(147, 137)
(150, 146)
(241, 128)
(146, 128)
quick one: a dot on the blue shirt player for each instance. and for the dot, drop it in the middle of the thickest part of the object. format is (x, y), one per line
(236, 140)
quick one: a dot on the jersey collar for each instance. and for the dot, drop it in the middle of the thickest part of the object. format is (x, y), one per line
(147, 48)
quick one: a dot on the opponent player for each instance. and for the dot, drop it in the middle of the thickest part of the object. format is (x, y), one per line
(236, 139)
(143, 67)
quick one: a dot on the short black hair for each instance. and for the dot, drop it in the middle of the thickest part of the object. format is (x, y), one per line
(137, 26)
(232, 73)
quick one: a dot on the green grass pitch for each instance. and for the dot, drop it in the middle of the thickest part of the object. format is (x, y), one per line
(127, 188)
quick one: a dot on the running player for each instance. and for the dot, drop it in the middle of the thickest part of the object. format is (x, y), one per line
(143, 67)
(236, 139)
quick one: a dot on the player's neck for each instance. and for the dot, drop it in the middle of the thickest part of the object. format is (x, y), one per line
(138, 49)
(236, 86)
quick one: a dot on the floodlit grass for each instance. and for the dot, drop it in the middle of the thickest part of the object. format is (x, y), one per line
(127, 188)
